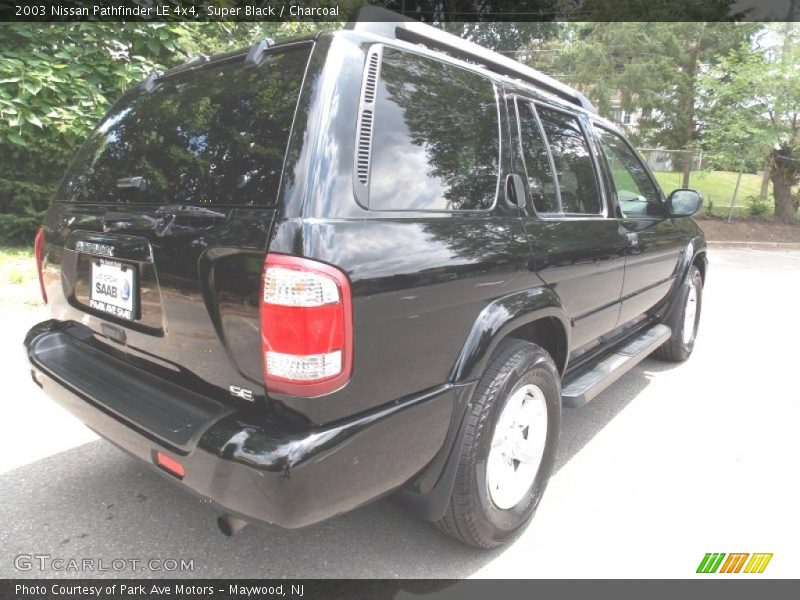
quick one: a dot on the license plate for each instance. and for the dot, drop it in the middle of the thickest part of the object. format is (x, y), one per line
(114, 288)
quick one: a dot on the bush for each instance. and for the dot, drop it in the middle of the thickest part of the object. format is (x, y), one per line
(56, 81)
(757, 207)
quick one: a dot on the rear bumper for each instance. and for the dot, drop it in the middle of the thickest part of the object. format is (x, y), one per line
(249, 465)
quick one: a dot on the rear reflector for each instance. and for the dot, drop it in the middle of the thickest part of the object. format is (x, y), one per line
(170, 465)
(38, 250)
(306, 326)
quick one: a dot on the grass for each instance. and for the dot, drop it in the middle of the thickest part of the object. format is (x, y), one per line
(717, 188)
(17, 266)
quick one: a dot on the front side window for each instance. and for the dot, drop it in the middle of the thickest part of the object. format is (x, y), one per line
(435, 142)
(577, 184)
(637, 195)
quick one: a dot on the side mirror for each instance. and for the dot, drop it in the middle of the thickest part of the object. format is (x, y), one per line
(684, 202)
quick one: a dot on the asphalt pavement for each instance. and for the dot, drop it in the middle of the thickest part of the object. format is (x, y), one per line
(671, 462)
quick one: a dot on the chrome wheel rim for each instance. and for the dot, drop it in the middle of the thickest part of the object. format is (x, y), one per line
(690, 314)
(517, 447)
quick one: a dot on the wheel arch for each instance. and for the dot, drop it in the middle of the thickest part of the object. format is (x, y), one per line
(535, 315)
(700, 261)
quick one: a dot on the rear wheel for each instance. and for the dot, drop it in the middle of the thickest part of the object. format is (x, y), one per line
(509, 447)
(684, 321)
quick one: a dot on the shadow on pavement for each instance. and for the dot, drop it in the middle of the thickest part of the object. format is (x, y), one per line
(96, 502)
(580, 425)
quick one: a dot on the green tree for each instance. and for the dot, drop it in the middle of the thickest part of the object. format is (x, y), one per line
(754, 96)
(56, 81)
(651, 66)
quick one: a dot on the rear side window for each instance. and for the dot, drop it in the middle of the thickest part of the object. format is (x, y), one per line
(435, 140)
(541, 185)
(217, 135)
(577, 184)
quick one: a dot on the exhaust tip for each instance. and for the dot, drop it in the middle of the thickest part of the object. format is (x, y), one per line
(230, 526)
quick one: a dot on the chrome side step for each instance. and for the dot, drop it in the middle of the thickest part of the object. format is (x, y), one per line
(589, 384)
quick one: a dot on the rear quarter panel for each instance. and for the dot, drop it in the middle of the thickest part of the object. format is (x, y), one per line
(419, 280)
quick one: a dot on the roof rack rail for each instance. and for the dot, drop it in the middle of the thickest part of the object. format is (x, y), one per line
(371, 19)
(149, 83)
(256, 52)
(189, 64)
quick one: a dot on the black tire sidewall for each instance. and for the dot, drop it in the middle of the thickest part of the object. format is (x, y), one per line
(536, 368)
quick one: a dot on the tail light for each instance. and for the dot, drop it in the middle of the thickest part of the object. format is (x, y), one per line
(38, 250)
(306, 326)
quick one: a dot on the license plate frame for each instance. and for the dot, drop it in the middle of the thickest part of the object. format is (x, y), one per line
(114, 288)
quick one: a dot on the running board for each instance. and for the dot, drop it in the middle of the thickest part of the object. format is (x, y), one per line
(590, 383)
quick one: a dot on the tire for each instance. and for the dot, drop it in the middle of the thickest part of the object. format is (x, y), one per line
(680, 345)
(486, 518)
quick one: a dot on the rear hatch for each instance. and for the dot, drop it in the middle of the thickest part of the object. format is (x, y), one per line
(159, 228)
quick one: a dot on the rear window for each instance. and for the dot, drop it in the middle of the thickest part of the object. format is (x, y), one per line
(217, 135)
(436, 137)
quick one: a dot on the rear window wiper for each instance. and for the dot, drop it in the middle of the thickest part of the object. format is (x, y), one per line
(180, 210)
(139, 183)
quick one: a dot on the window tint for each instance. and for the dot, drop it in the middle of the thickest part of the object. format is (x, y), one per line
(541, 186)
(435, 138)
(215, 136)
(636, 193)
(577, 183)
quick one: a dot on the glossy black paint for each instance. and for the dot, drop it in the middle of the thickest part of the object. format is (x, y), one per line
(199, 288)
(267, 468)
(433, 293)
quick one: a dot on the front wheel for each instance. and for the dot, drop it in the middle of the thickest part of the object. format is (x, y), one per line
(509, 447)
(684, 321)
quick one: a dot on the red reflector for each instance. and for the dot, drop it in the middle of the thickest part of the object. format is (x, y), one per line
(170, 465)
(38, 250)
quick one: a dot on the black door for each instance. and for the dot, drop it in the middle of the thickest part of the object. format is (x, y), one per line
(575, 248)
(653, 242)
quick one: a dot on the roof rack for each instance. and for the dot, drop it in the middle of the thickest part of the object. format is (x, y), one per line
(256, 51)
(193, 62)
(371, 19)
(149, 84)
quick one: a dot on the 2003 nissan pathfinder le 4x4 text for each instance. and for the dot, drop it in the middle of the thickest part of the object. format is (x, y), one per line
(302, 276)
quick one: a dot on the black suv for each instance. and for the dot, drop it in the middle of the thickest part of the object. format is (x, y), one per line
(303, 276)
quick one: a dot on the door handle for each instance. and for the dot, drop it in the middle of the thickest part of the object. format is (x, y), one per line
(632, 241)
(515, 191)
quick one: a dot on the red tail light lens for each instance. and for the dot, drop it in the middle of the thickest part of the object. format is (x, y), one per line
(306, 326)
(38, 250)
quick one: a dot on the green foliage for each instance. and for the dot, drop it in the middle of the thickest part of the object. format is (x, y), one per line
(754, 109)
(649, 66)
(58, 79)
(734, 130)
(757, 207)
